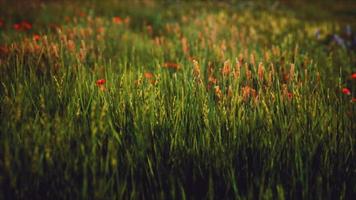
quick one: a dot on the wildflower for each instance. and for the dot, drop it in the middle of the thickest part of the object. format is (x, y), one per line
(171, 65)
(148, 75)
(17, 27)
(353, 76)
(346, 91)
(100, 82)
(117, 20)
(36, 37)
(25, 25)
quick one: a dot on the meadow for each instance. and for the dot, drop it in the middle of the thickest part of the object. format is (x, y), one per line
(177, 100)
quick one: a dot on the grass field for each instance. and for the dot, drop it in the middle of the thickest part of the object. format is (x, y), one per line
(177, 100)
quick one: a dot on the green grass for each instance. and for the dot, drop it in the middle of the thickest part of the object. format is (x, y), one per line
(263, 130)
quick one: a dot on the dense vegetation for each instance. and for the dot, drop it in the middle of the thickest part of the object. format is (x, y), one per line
(176, 101)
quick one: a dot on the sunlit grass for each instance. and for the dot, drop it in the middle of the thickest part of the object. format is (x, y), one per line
(164, 102)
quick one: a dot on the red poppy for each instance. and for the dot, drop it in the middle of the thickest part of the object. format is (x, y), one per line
(353, 76)
(25, 25)
(117, 20)
(346, 91)
(36, 37)
(17, 27)
(100, 82)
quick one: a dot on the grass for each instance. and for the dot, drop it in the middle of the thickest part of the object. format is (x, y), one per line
(159, 101)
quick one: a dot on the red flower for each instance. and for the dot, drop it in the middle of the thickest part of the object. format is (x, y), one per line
(346, 91)
(100, 82)
(36, 37)
(17, 27)
(117, 20)
(25, 25)
(353, 76)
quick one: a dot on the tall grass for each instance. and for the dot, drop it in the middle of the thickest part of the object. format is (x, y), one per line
(211, 104)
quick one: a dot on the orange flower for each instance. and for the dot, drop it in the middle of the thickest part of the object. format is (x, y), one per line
(346, 91)
(148, 75)
(171, 65)
(117, 20)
